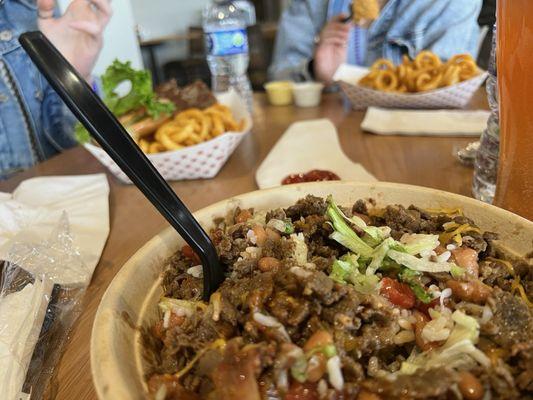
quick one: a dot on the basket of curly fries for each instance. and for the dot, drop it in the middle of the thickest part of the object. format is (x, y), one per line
(426, 82)
(187, 133)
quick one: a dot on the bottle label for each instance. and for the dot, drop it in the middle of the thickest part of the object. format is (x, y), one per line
(227, 43)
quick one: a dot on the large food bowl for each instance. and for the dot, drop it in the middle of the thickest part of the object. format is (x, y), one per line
(131, 300)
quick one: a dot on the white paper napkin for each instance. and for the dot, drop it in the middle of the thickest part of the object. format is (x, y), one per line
(425, 122)
(33, 211)
(306, 146)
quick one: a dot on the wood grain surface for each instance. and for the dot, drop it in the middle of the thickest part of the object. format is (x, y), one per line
(425, 161)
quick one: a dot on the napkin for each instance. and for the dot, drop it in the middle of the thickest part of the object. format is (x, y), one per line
(351, 74)
(425, 122)
(31, 213)
(306, 146)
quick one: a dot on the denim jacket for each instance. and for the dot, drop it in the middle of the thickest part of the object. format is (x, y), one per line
(34, 122)
(446, 27)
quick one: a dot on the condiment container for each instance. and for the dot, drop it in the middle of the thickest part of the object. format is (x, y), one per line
(307, 94)
(279, 93)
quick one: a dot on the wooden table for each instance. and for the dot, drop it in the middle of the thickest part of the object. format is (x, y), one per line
(414, 160)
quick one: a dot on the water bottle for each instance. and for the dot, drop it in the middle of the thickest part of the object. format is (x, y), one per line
(227, 48)
(486, 163)
(249, 11)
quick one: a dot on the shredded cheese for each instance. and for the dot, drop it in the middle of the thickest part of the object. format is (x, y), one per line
(445, 211)
(217, 344)
(457, 232)
(516, 286)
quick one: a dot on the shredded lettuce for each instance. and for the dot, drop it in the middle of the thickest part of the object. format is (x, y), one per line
(180, 307)
(299, 253)
(346, 270)
(283, 226)
(458, 350)
(418, 264)
(456, 271)
(419, 243)
(374, 235)
(141, 95)
(298, 369)
(379, 254)
(345, 235)
(409, 276)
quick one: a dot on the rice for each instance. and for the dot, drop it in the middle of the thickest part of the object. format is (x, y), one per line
(404, 337)
(197, 271)
(334, 372)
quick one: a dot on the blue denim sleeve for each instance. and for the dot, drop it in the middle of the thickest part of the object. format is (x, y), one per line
(458, 31)
(295, 41)
(58, 121)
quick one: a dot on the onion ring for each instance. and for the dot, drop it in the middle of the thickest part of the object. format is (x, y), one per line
(383, 64)
(386, 81)
(425, 81)
(427, 59)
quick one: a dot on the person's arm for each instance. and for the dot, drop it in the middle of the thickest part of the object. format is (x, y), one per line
(295, 41)
(57, 120)
(457, 32)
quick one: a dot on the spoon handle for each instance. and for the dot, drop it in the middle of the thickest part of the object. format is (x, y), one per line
(111, 135)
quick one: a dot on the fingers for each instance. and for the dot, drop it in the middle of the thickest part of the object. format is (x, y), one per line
(91, 28)
(335, 33)
(45, 8)
(104, 7)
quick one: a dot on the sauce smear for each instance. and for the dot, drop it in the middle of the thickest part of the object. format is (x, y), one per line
(315, 175)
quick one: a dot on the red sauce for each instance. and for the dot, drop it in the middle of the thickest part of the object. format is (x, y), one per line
(315, 175)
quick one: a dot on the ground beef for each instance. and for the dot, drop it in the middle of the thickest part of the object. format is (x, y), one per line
(313, 225)
(278, 213)
(360, 207)
(512, 318)
(182, 286)
(495, 274)
(310, 205)
(431, 384)
(475, 241)
(289, 310)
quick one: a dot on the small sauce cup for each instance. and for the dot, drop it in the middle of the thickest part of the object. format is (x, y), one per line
(279, 93)
(307, 94)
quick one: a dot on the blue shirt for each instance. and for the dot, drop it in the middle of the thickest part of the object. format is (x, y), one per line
(34, 122)
(446, 27)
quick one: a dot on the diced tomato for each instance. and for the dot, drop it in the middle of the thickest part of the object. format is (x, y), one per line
(424, 308)
(302, 391)
(398, 293)
(421, 321)
(190, 254)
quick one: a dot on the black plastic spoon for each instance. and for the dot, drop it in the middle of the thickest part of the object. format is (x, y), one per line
(111, 135)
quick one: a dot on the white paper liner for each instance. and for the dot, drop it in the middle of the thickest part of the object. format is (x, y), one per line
(201, 161)
(455, 96)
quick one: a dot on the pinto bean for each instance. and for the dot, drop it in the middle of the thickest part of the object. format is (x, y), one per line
(467, 259)
(267, 264)
(470, 386)
(318, 339)
(421, 321)
(272, 234)
(474, 291)
(260, 234)
(316, 367)
(243, 216)
(364, 395)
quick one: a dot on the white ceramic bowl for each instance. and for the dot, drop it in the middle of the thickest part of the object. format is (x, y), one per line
(307, 94)
(131, 300)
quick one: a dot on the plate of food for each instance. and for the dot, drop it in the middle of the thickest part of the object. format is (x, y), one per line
(333, 290)
(187, 132)
(426, 82)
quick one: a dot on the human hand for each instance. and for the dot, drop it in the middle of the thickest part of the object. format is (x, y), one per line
(78, 33)
(330, 52)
